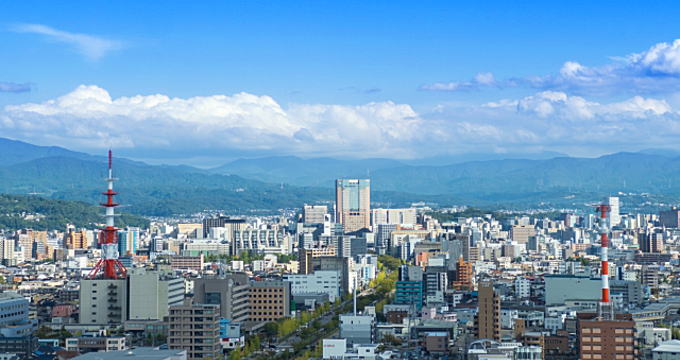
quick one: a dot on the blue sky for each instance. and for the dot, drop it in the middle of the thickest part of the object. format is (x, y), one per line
(346, 79)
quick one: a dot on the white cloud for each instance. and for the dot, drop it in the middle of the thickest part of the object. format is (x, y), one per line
(479, 81)
(89, 117)
(655, 70)
(92, 47)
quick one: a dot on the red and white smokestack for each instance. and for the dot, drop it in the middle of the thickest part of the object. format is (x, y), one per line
(604, 245)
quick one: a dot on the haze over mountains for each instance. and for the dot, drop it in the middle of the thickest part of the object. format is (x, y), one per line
(285, 182)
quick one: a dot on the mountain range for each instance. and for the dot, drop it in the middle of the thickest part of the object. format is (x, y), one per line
(268, 184)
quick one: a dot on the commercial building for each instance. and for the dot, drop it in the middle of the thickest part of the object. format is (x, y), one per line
(142, 295)
(314, 214)
(195, 329)
(231, 293)
(353, 204)
(14, 318)
(393, 217)
(357, 329)
(670, 218)
(606, 339)
(222, 221)
(190, 263)
(269, 300)
(488, 319)
(410, 287)
(151, 293)
(306, 257)
(103, 301)
(320, 282)
(521, 233)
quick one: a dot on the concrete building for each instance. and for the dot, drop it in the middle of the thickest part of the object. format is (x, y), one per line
(320, 282)
(14, 317)
(192, 263)
(195, 329)
(314, 214)
(488, 319)
(103, 301)
(151, 293)
(306, 257)
(268, 241)
(269, 300)
(614, 210)
(357, 329)
(393, 217)
(670, 218)
(606, 339)
(521, 233)
(87, 344)
(353, 204)
(231, 293)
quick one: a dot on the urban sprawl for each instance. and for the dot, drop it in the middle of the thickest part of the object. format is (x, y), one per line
(347, 281)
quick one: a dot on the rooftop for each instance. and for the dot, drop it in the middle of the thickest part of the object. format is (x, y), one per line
(145, 353)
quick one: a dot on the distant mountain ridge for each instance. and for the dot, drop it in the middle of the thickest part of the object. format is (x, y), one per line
(271, 183)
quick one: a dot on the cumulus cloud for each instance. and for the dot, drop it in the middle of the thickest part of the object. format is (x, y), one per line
(14, 87)
(655, 70)
(89, 117)
(92, 47)
(479, 81)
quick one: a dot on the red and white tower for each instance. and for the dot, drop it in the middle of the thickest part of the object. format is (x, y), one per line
(109, 266)
(605, 309)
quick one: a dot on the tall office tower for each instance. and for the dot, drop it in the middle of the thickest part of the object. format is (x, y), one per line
(196, 329)
(353, 203)
(314, 214)
(614, 214)
(488, 318)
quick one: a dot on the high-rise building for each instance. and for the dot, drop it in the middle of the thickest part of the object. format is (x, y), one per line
(103, 301)
(614, 210)
(314, 214)
(393, 216)
(521, 233)
(14, 319)
(143, 295)
(222, 221)
(670, 218)
(7, 252)
(488, 318)
(196, 329)
(231, 293)
(464, 275)
(269, 300)
(410, 287)
(151, 293)
(353, 203)
(128, 241)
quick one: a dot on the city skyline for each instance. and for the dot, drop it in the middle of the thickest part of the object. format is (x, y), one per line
(357, 81)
